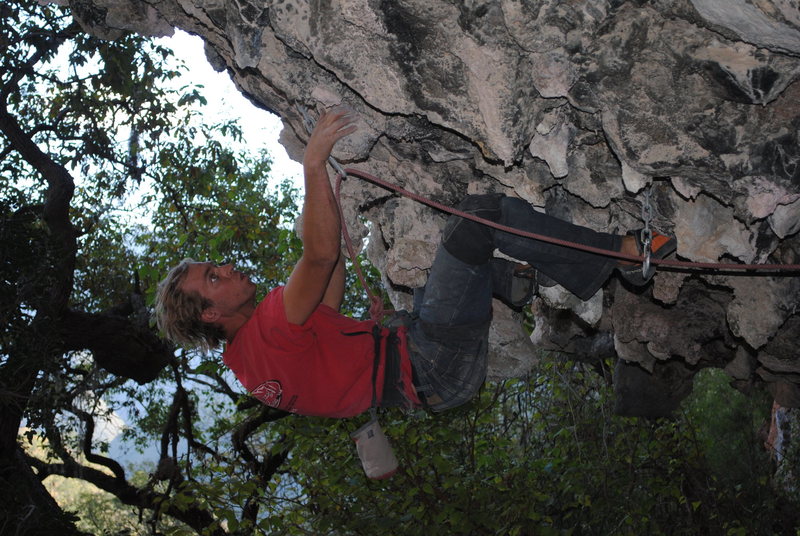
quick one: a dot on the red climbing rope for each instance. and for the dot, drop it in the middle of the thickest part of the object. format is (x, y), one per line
(376, 310)
(608, 253)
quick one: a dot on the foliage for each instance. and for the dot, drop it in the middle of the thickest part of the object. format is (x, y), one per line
(107, 176)
(737, 418)
(542, 455)
(100, 512)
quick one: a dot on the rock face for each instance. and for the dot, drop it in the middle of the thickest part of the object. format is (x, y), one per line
(576, 107)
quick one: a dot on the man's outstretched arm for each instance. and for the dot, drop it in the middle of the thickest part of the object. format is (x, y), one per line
(318, 276)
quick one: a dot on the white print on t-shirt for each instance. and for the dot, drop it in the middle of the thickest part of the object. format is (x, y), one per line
(269, 393)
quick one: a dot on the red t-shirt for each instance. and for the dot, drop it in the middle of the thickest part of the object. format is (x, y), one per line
(322, 368)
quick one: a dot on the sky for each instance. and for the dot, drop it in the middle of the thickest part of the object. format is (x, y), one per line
(225, 101)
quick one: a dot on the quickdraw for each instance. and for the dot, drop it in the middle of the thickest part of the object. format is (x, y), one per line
(647, 235)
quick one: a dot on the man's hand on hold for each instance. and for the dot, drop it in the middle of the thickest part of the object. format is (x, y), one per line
(331, 126)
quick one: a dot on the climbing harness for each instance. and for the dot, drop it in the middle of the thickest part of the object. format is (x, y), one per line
(646, 235)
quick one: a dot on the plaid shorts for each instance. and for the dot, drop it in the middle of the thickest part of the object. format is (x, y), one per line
(449, 362)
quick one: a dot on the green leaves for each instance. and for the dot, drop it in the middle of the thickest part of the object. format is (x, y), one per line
(543, 455)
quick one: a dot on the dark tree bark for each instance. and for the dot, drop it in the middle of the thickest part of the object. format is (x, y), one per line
(25, 506)
(197, 518)
(28, 507)
(118, 345)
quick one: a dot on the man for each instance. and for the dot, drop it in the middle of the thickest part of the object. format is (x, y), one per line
(294, 351)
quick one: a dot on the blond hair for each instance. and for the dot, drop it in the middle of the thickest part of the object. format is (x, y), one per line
(178, 313)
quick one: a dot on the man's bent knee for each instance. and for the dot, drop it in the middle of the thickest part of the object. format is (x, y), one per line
(469, 241)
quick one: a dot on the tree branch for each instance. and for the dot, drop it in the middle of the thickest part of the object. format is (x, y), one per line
(243, 431)
(44, 46)
(92, 457)
(197, 518)
(119, 345)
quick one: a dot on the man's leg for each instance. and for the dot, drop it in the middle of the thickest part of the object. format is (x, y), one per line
(448, 339)
(456, 293)
(580, 272)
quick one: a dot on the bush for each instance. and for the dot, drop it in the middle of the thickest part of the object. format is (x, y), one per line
(545, 455)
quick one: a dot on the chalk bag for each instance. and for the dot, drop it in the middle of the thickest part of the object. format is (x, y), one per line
(374, 451)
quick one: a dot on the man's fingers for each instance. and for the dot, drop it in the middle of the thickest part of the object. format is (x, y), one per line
(341, 123)
(338, 114)
(332, 126)
(346, 128)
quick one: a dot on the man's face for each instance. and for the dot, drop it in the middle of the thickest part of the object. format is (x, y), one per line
(230, 291)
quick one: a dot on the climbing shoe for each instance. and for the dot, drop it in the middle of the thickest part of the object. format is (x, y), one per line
(660, 246)
(512, 283)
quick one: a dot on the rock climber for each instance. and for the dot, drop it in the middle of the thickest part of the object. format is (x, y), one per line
(296, 352)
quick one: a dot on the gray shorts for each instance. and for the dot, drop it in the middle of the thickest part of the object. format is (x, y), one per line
(449, 330)
(449, 362)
